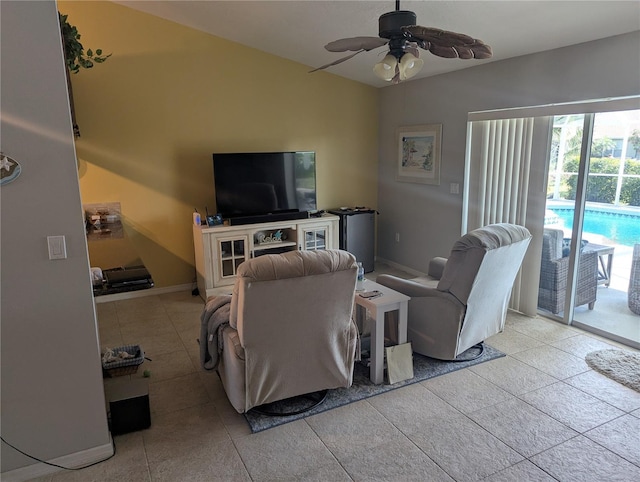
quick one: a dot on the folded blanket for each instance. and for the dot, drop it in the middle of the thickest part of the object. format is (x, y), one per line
(214, 318)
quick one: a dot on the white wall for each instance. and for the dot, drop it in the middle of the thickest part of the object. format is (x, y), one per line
(428, 217)
(52, 393)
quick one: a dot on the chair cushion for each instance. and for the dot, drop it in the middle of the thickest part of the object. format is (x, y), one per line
(566, 246)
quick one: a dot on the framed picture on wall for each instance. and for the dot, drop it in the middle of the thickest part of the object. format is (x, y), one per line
(419, 153)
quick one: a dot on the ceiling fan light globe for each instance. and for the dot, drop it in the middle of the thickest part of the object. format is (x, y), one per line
(409, 66)
(386, 68)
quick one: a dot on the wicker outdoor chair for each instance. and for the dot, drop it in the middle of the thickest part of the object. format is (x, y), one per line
(554, 274)
(634, 281)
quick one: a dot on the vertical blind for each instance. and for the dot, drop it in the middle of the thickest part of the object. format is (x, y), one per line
(502, 165)
(500, 160)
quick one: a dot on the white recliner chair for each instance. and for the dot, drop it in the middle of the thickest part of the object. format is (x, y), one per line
(290, 331)
(466, 299)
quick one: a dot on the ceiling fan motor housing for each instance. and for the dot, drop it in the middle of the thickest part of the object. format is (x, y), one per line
(390, 24)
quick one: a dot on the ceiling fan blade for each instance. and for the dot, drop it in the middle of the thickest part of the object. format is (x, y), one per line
(356, 43)
(449, 45)
(438, 36)
(481, 50)
(339, 61)
(440, 51)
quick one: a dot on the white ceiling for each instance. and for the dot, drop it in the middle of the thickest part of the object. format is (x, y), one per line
(299, 29)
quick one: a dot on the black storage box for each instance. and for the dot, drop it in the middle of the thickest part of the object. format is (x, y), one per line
(128, 402)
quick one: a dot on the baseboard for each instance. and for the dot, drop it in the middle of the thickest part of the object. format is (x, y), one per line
(78, 459)
(142, 293)
(400, 266)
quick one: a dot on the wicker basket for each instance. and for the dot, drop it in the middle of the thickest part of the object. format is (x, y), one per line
(126, 366)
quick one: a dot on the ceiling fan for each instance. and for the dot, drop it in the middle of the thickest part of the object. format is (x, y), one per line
(399, 31)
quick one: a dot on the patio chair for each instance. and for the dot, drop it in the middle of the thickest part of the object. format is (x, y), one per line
(554, 274)
(633, 293)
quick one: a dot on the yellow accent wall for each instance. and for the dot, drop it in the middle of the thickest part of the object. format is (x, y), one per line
(151, 116)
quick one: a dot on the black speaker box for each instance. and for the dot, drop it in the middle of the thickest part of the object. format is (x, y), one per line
(128, 405)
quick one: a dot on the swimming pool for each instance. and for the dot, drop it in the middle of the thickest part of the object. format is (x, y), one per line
(619, 227)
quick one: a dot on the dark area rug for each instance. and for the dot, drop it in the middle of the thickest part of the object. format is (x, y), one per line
(423, 369)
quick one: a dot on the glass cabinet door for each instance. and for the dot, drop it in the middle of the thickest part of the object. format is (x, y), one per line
(232, 252)
(314, 238)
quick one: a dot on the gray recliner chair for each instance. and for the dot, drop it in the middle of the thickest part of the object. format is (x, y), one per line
(290, 331)
(465, 299)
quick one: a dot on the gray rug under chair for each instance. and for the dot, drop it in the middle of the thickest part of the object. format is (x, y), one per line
(424, 368)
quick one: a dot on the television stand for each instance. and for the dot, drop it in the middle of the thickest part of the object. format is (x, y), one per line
(268, 218)
(219, 250)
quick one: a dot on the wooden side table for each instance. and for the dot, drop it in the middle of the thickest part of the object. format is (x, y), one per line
(389, 301)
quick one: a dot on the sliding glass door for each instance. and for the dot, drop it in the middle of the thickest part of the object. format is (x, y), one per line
(592, 222)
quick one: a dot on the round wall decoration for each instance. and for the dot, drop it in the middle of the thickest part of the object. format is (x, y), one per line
(9, 169)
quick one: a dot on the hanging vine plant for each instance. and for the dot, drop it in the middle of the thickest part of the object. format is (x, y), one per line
(76, 58)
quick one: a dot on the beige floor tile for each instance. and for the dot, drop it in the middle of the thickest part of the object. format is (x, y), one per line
(212, 384)
(621, 436)
(552, 361)
(109, 337)
(512, 341)
(107, 318)
(521, 472)
(218, 462)
(410, 407)
(333, 472)
(582, 460)
(166, 366)
(189, 321)
(148, 326)
(581, 345)
(155, 311)
(466, 391)
(179, 433)
(235, 423)
(512, 375)
(283, 452)
(607, 390)
(574, 408)
(354, 428)
(522, 427)
(176, 394)
(155, 344)
(105, 308)
(462, 448)
(128, 463)
(182, 302)
(398, 459)
(541, 329)
(142, 304)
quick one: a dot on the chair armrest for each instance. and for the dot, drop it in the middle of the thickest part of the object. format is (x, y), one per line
(410, 288)
(436, 267)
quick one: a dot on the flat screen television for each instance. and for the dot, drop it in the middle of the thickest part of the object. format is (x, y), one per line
(261, 183)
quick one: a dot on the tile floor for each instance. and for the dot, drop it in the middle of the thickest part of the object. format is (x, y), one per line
(537, 414)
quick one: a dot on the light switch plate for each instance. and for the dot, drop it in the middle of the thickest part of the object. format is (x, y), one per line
(57, 247)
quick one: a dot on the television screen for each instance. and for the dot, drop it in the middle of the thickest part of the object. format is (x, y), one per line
(257, 183)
